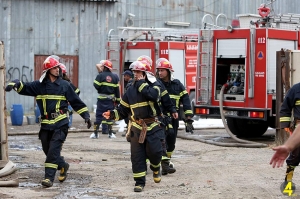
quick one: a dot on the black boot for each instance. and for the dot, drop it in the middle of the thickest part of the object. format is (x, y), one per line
(167, 167)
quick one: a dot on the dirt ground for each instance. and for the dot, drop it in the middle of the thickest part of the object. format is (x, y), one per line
(101, 168)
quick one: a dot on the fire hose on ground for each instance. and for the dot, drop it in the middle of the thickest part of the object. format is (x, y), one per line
(239, 142)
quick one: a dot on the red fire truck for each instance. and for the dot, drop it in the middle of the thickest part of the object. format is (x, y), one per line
(128, 43)
(243, 60)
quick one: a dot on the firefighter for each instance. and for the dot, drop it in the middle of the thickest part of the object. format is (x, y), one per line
(283, 151)
(77, 91)
(127, 81)
(145, 132)
(52, 95)
(178, 95)
(291, 103)
(107, 86)
(127, 77)
(100, 66)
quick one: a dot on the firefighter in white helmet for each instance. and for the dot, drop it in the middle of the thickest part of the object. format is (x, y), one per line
(178, 96)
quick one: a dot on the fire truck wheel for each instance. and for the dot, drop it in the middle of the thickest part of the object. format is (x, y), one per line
(247, 128)
(252, 128)
(232, 125)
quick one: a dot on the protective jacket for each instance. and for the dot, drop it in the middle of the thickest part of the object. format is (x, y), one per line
(178, 95)
(139, 102)
(291, 102)
(77, 91)
(52, 100)
(107, 84)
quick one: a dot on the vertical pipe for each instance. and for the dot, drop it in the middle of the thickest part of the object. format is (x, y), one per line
(3, 119)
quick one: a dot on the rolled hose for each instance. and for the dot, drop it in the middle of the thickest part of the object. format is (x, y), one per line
(246, 143)
(8, 169)
(240, 142)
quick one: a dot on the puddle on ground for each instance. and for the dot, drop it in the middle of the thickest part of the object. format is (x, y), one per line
(25, 147)
(88, 193)
(15, 158)
(28, 166)
(28, 184)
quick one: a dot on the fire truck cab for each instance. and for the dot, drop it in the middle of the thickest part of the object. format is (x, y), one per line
(243, 60)
(179, 48)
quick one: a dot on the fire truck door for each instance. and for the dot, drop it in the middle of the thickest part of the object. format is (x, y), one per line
(273, 46)
(176, 57)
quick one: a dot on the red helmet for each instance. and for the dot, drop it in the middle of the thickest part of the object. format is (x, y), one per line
(55, 57)
(160, 59)
(165, 65)
(147, 65)
(139, 66)
(63, 68)
(49, 63)
(145, 58)
(107, 64)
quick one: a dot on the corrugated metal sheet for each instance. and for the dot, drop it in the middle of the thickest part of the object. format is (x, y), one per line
(79, 28)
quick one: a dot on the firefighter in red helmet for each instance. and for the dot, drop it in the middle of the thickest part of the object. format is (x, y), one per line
(178, 96)
(138, 103)
(52, 95)
(77, 91)
(107, 86)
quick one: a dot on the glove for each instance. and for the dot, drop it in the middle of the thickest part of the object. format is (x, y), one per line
(88, 122)
(288, 130)
(189, 126)
(12, 85)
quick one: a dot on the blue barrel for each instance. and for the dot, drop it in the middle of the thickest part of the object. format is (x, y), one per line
(37, 113)
(16, 115)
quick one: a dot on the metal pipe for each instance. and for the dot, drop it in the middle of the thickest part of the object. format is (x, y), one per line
(3, 125)
(220, 15)
(147, 29)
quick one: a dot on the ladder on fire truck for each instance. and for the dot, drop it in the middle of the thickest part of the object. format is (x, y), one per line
(112, 48)
(205, 58)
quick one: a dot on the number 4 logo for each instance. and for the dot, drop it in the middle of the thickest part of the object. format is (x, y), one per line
(289, 189)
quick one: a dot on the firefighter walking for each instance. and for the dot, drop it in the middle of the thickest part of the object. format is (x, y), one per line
(77, 91)
(178, 95)
(291, 104)
(145, 132)
(107, 86)
(167, 110)
(52, 95)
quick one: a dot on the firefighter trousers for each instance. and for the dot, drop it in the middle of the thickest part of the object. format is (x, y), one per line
(294, 157)
(52, 142)
(151, 149)
(103, 105)
(171, 138)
